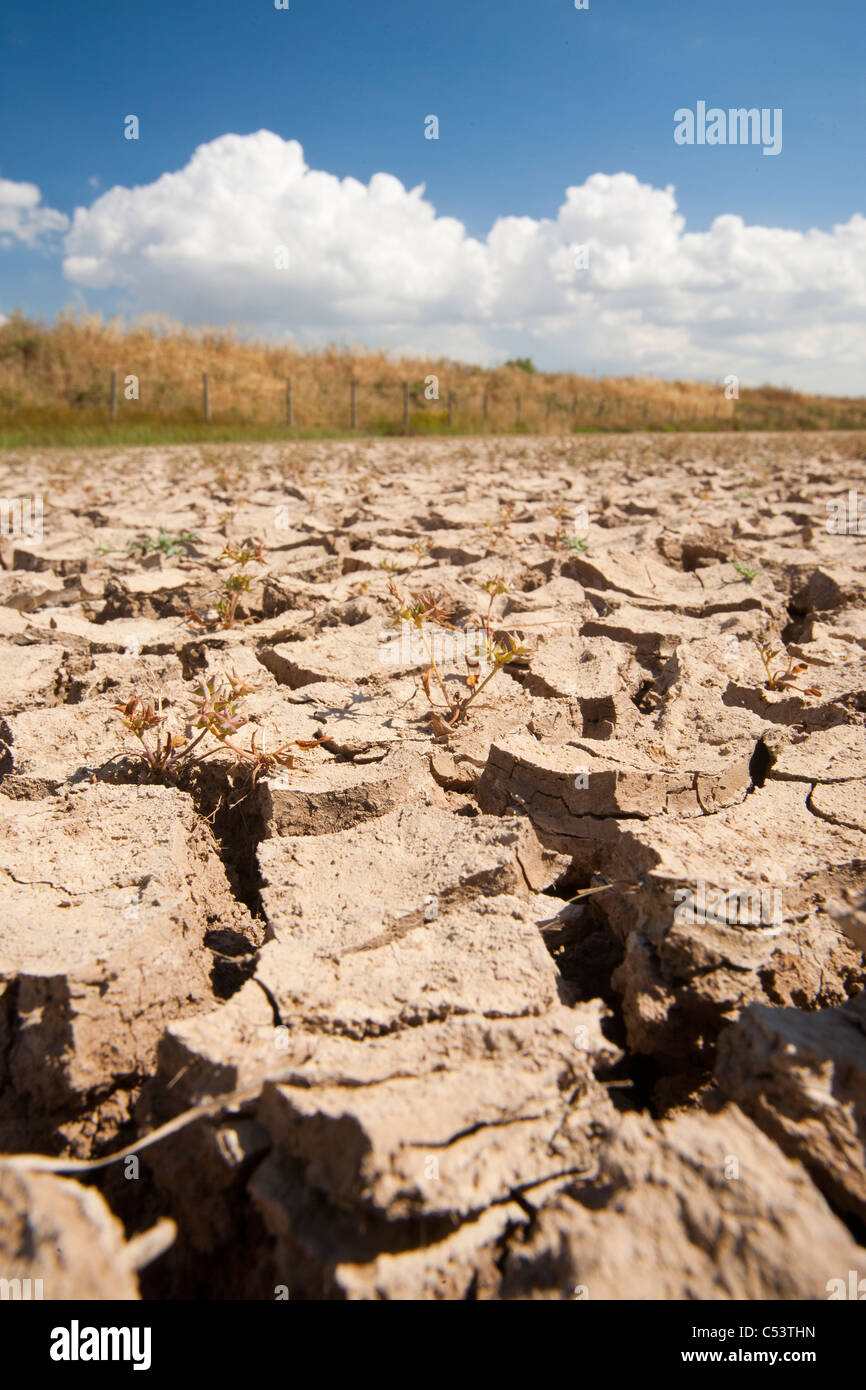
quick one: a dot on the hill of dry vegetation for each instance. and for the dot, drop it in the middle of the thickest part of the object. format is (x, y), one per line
(55, 388)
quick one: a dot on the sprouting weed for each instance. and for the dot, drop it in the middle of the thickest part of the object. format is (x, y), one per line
(783, 678)
(233, 587)
(498, 533)
(578, 544)
(261, 763)
(217, 706)
(163, 751)
(426, 609)
(165, 543)
(227, 604)
(244, 554)
(746, 573)
(437, 611)
(391, 566)
(421, 549)
(215, 713)
(495, 586)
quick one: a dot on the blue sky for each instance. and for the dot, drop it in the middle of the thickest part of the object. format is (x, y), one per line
(532, 98)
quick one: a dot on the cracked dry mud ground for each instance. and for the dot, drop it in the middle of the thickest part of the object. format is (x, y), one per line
(432, 1069)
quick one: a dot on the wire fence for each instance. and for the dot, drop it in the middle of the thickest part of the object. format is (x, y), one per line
(419, 407)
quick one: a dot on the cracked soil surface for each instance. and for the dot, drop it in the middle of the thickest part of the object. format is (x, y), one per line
(564, 1000)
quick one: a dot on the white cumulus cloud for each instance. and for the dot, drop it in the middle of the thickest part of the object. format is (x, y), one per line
(248, 233)
(22, 216)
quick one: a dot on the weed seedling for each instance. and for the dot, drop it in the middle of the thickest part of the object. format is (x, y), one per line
(165, 543)
(245, 554)
(783, 678)
(233, 587)
(163, 752)
(426, 610)
(495, 586)
(498, 533)
(215, 715)
(227, 604)
(578, 544)
(745, 572)
(421, 549)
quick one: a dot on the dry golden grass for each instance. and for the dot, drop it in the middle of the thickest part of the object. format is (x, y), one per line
(55, 383)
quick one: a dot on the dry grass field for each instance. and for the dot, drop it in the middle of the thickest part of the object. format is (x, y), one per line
(55, 387)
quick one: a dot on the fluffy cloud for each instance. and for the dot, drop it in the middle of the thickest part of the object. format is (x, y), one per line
(22, 217)
(374, 263)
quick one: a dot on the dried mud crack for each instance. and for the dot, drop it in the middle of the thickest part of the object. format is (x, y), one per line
(563, 990)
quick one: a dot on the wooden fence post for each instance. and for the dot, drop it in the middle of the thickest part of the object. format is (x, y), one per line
(113, 394)
(517, 420)
(205, 391)
(484, 408)
(450, 409)
(289, 402)
(406, 407)
(353, 404)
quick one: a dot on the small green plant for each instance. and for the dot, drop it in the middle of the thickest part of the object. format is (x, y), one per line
(227, 604)
(233, 587)
(165, 543)
(783, 678)
(746, 573)
(578, 544)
